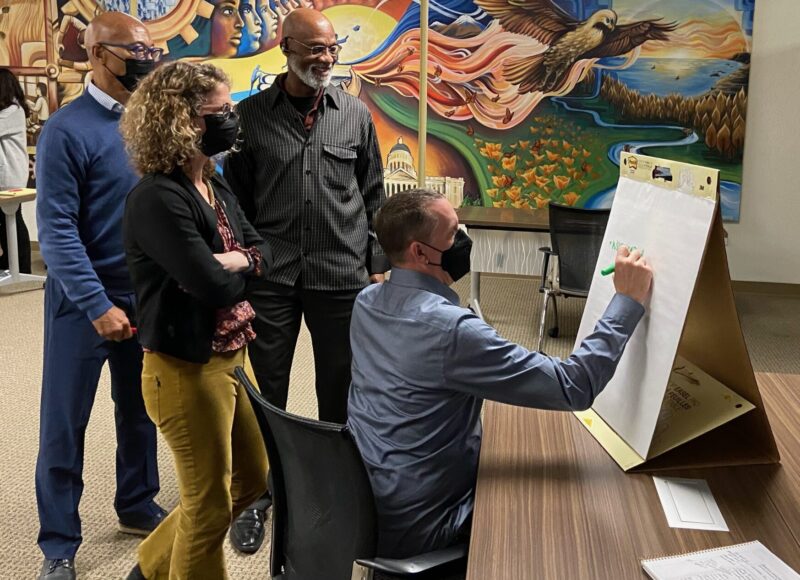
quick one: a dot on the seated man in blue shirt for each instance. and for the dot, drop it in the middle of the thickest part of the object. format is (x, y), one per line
(422, 366)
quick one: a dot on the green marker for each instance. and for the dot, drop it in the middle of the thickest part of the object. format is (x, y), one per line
(607, 270)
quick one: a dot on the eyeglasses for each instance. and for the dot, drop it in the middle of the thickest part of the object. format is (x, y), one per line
(226, 112)
(139, 50)
(319, 49)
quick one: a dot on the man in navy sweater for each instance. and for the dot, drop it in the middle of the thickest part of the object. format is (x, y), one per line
(83, 178)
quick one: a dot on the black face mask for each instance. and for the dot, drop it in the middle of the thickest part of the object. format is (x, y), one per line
(135, 71)
(222, 129)
(455, 259)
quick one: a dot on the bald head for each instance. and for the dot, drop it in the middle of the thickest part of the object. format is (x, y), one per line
(305, 23)
(108, 40)
(114, 28)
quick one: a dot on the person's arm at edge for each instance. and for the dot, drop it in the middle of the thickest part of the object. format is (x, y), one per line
(369, 175)
(59, 172)
(482, 363)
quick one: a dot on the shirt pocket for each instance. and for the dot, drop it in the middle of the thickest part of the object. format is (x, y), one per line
(338, 168)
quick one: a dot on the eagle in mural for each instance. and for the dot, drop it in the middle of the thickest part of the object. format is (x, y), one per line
(568, 40)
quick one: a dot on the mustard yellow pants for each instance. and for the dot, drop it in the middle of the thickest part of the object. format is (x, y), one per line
(207, 420)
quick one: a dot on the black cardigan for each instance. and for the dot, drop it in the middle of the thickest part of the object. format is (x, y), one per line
(170, 237)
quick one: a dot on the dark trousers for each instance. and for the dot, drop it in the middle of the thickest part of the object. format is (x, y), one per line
(74, 355)
(279, 309)
(23, 243)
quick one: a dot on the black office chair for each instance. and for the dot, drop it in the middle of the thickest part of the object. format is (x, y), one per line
(324, 524)
(576, 235)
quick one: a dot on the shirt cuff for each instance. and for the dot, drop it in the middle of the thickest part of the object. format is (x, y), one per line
(626, 311)
(96, 306)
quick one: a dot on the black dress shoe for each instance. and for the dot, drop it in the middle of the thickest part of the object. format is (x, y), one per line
(136, 574)
(61, 569)
(141, 525)
(247, 531)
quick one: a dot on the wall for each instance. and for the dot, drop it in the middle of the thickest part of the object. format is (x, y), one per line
(765, 245)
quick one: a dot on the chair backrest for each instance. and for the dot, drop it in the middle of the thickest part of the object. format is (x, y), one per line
(576, 235)
(323, 509)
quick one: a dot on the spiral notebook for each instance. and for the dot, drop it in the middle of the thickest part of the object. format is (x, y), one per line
(750, 561)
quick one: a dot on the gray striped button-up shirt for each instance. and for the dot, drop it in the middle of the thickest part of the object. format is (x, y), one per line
(312, 194)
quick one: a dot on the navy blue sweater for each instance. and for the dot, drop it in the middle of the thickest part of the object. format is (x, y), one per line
(82, 178)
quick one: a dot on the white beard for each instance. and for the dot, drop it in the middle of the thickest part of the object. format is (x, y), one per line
(307, 75)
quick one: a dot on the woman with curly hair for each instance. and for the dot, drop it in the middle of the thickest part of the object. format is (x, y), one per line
(191, 254)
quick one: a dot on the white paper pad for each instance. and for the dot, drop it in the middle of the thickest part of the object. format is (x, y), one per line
(751, 561)
(688, 503)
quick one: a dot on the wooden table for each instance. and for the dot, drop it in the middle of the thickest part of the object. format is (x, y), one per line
(551, 504)
(505, 241)
(10, 201)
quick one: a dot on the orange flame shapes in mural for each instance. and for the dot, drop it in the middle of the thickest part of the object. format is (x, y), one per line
(465, 76)
(701, 39)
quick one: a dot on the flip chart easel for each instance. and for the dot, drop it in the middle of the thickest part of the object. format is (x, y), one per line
(684, 393)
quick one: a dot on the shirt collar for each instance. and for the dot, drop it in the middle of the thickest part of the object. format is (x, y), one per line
(414, 279)
(331, 93)
(105, 100)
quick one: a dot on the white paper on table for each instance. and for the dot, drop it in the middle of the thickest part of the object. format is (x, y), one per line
(688, 503)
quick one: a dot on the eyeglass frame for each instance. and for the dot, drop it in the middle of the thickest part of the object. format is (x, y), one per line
(317, 49)
(154, 53)
(226, 113)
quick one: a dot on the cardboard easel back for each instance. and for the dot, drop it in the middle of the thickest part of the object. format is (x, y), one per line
(712, 339)
(713, 429)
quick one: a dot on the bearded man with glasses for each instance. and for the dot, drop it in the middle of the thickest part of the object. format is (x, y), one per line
(309, 178)
(83, 177)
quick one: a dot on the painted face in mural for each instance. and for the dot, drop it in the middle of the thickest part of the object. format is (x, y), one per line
(269, 24)
(226, 28)
(251, 32)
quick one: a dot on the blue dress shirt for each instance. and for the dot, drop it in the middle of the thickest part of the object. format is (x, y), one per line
(422, 366)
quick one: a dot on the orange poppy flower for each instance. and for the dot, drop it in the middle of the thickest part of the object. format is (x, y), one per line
(561, 181)
(502, 180)
(540, 201)
(509, 163)
(492, 150)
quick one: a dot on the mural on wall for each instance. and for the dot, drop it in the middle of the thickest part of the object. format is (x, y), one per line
(528, 100)
(538, 97)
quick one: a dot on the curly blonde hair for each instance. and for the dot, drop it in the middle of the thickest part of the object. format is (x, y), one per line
(158, 123)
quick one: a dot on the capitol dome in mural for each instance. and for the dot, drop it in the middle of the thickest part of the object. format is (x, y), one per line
(400, 175)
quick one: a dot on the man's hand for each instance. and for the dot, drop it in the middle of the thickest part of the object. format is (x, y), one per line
(113, 325)
(233, 261)
(376, 278)
(632, 275)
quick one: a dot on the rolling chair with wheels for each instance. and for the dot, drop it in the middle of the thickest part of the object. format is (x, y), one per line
(575, 236)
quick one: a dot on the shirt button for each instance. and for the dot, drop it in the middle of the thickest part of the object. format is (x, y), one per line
(308, 202)
(308, 172)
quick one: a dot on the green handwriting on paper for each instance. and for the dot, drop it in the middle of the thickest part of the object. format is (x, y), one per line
(615, 244)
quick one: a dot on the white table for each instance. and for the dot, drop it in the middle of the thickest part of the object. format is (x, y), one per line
(10, 202)
(504, 241)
